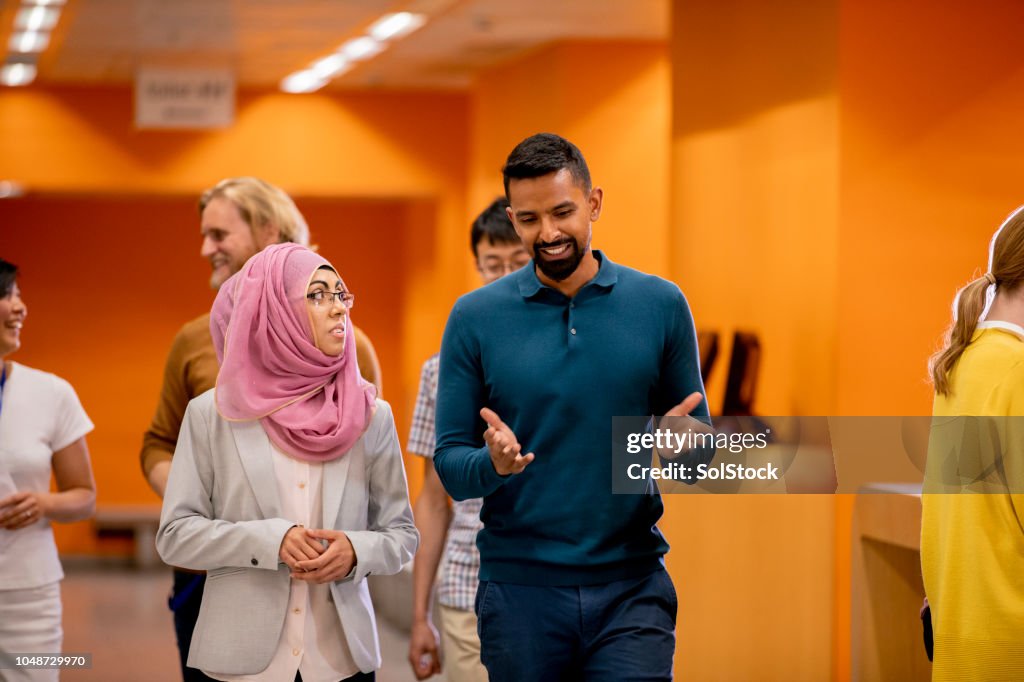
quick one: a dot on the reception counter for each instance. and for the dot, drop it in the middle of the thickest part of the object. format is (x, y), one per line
(887, 587)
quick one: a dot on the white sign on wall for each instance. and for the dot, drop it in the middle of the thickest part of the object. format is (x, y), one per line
(179, 98)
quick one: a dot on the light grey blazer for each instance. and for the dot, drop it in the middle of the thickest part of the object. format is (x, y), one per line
(222, 514)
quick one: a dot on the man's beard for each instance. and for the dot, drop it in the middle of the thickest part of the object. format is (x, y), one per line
(561, 269)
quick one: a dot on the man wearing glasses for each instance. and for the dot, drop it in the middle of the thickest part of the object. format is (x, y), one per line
(452, 530)
(238, 218)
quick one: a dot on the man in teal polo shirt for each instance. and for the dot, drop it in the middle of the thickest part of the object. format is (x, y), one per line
(573, 583)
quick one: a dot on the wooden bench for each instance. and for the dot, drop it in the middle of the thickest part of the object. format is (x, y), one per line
(141, 520)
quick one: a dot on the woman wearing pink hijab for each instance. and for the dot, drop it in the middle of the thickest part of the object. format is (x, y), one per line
(287, 485)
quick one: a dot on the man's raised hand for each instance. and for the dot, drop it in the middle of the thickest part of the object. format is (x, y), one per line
(683, 422)
(503, 445)
(684, 408)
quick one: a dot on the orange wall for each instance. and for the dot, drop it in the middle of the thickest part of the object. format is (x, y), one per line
(755, 188)
(932, 95)
(754, 180)
(355, 144)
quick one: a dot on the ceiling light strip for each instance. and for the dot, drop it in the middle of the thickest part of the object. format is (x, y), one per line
(389, 27)
(36, 18)
(31, 35)
(14, 74)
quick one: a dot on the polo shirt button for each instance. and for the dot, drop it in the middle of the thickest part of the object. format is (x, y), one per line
(295, 652)
(573, 331)
(254, 561)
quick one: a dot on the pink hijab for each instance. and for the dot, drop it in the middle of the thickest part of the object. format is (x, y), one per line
(312, 406)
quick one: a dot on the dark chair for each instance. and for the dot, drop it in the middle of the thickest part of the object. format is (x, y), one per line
(741, 386)
(707, 345)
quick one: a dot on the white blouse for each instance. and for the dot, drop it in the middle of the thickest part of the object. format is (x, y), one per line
(312, 641)
(39, 415)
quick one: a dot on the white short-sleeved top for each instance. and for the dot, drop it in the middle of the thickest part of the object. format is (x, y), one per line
(39, 415)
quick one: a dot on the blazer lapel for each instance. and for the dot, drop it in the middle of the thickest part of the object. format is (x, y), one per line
(254, 450)
(335, 475)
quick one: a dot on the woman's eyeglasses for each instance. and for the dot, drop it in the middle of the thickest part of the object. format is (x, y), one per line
(343, 298)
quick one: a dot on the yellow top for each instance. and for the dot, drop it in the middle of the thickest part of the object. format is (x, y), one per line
(972, 542)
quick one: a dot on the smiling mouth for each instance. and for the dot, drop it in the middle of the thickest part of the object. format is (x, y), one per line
(16, 326)
(338, 332)
(218, 262)
(556, 250)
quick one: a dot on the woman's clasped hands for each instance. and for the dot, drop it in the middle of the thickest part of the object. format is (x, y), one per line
(317, 555)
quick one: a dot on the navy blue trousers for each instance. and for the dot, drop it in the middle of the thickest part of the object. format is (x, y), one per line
(618, 631)
(186, 597)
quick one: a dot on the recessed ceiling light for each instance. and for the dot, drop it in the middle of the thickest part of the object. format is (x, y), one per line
(37, 18)
(45, 3)
(396, 25)
(361, 48)
(303, 81)
(29, 41)
(17, 73)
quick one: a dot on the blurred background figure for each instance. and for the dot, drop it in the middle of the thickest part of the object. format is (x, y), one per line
(445, 528)
(238, 217)
(42, 432)
(972, 543)
(288, 483)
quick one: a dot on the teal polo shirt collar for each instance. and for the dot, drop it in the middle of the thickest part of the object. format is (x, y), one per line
(606, 277)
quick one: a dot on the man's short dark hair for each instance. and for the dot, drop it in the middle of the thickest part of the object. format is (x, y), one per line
(494, 225)
(545, 153)
(8, 273)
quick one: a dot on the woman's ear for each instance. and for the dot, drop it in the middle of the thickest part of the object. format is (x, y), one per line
(266, 235)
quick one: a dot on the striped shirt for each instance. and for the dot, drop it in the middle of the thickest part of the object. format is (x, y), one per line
(460, 566)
